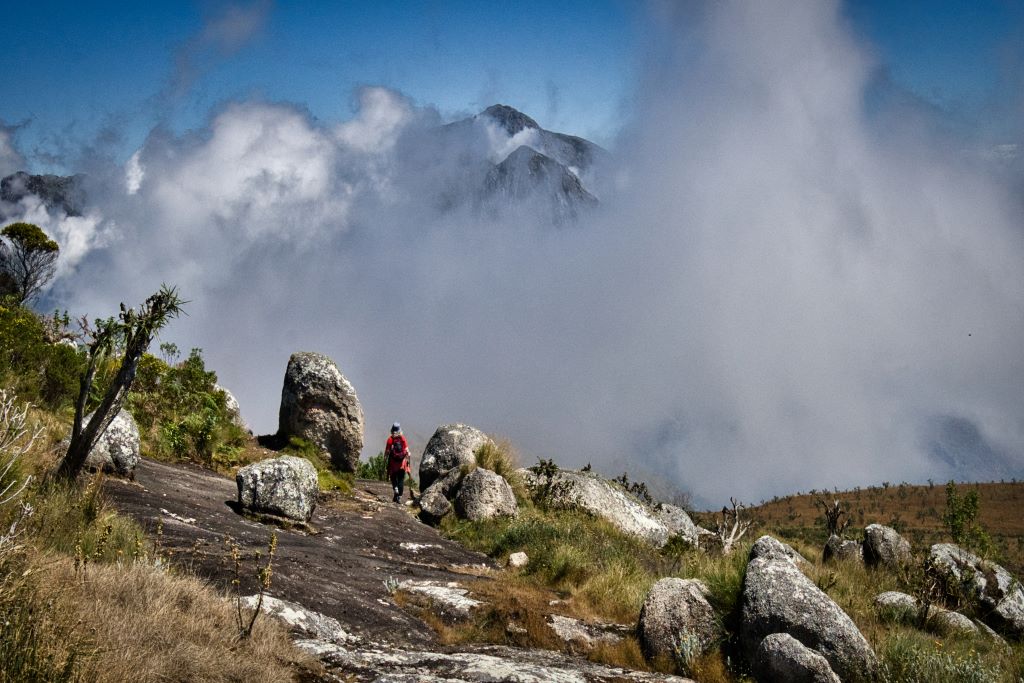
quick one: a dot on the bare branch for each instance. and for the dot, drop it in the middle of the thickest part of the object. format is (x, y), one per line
(730, 527)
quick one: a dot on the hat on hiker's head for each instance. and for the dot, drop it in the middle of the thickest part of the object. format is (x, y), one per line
(396, 428)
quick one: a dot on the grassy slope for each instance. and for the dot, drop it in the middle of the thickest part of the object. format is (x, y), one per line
(915, 511)
(598, 574)
(84, 596)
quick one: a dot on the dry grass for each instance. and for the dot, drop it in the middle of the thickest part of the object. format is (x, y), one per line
(81, 598)
(626, 653)
(136, 622)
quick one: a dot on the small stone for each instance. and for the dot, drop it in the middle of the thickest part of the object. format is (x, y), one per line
(519, 559)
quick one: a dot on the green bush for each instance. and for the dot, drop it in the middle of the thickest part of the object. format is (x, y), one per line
(182, 415)
(961, 520)
(38, 371)
(376, 468)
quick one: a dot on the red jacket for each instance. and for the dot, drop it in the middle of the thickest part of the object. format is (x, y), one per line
(399, 459)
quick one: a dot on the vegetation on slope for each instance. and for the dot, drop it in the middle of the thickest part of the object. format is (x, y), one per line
(916, 511)
(85, 594)
(598, 574)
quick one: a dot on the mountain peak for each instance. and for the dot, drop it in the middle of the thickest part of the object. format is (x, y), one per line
(512, 120)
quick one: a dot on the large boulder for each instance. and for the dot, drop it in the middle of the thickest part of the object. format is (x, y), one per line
(781, 658)
(451, 447)
(883, 546)
(996, 590)
(771, 548)
(319, 405)
(117, 449)
(282, 487)
(485, 495)
(676, 615)
(587, 491)
(778, 598)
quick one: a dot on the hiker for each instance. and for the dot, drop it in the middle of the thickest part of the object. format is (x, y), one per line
(397, 451)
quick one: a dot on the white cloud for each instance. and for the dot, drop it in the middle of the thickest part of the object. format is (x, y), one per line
(134, 173)
(779, 294)
(382, 115)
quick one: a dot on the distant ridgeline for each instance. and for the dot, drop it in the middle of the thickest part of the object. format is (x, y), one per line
(497, 161)
(56, 192)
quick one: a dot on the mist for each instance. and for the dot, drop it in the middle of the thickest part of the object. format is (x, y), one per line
(784, 287)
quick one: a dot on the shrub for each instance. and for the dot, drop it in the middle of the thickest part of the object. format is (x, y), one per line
(376, 468)
(961, 520)
(182, 415)
(605, 570)
(37, 370)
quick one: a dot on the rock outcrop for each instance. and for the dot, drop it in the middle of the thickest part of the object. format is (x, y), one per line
(282, 487)
(843, 550)
(676, 615)
(319, 405)
(949, 623)
(485, 495)
(778, 598)
(883, 546)
(451, 447)
(781, 658)
(580, 635)
(995, 589)
(587, 491)
(117, 449)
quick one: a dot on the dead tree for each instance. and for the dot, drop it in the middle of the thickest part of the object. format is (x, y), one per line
(134, 331)
(833, 513)
(730, 527)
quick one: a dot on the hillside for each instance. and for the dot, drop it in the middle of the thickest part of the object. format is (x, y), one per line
(913, 510)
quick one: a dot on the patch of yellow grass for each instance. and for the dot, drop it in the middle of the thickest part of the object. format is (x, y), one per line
(141, 623)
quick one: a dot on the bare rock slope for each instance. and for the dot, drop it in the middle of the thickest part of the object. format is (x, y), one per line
(335, 586)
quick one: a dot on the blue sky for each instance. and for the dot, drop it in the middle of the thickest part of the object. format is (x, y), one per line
(76, 70)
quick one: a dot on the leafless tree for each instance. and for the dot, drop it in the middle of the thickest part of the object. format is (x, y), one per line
(834, 512)
(730, 527)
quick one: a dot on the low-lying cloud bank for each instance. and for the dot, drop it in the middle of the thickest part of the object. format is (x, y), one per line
(779, 291)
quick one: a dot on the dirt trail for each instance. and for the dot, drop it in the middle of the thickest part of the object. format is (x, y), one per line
(339, 571)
